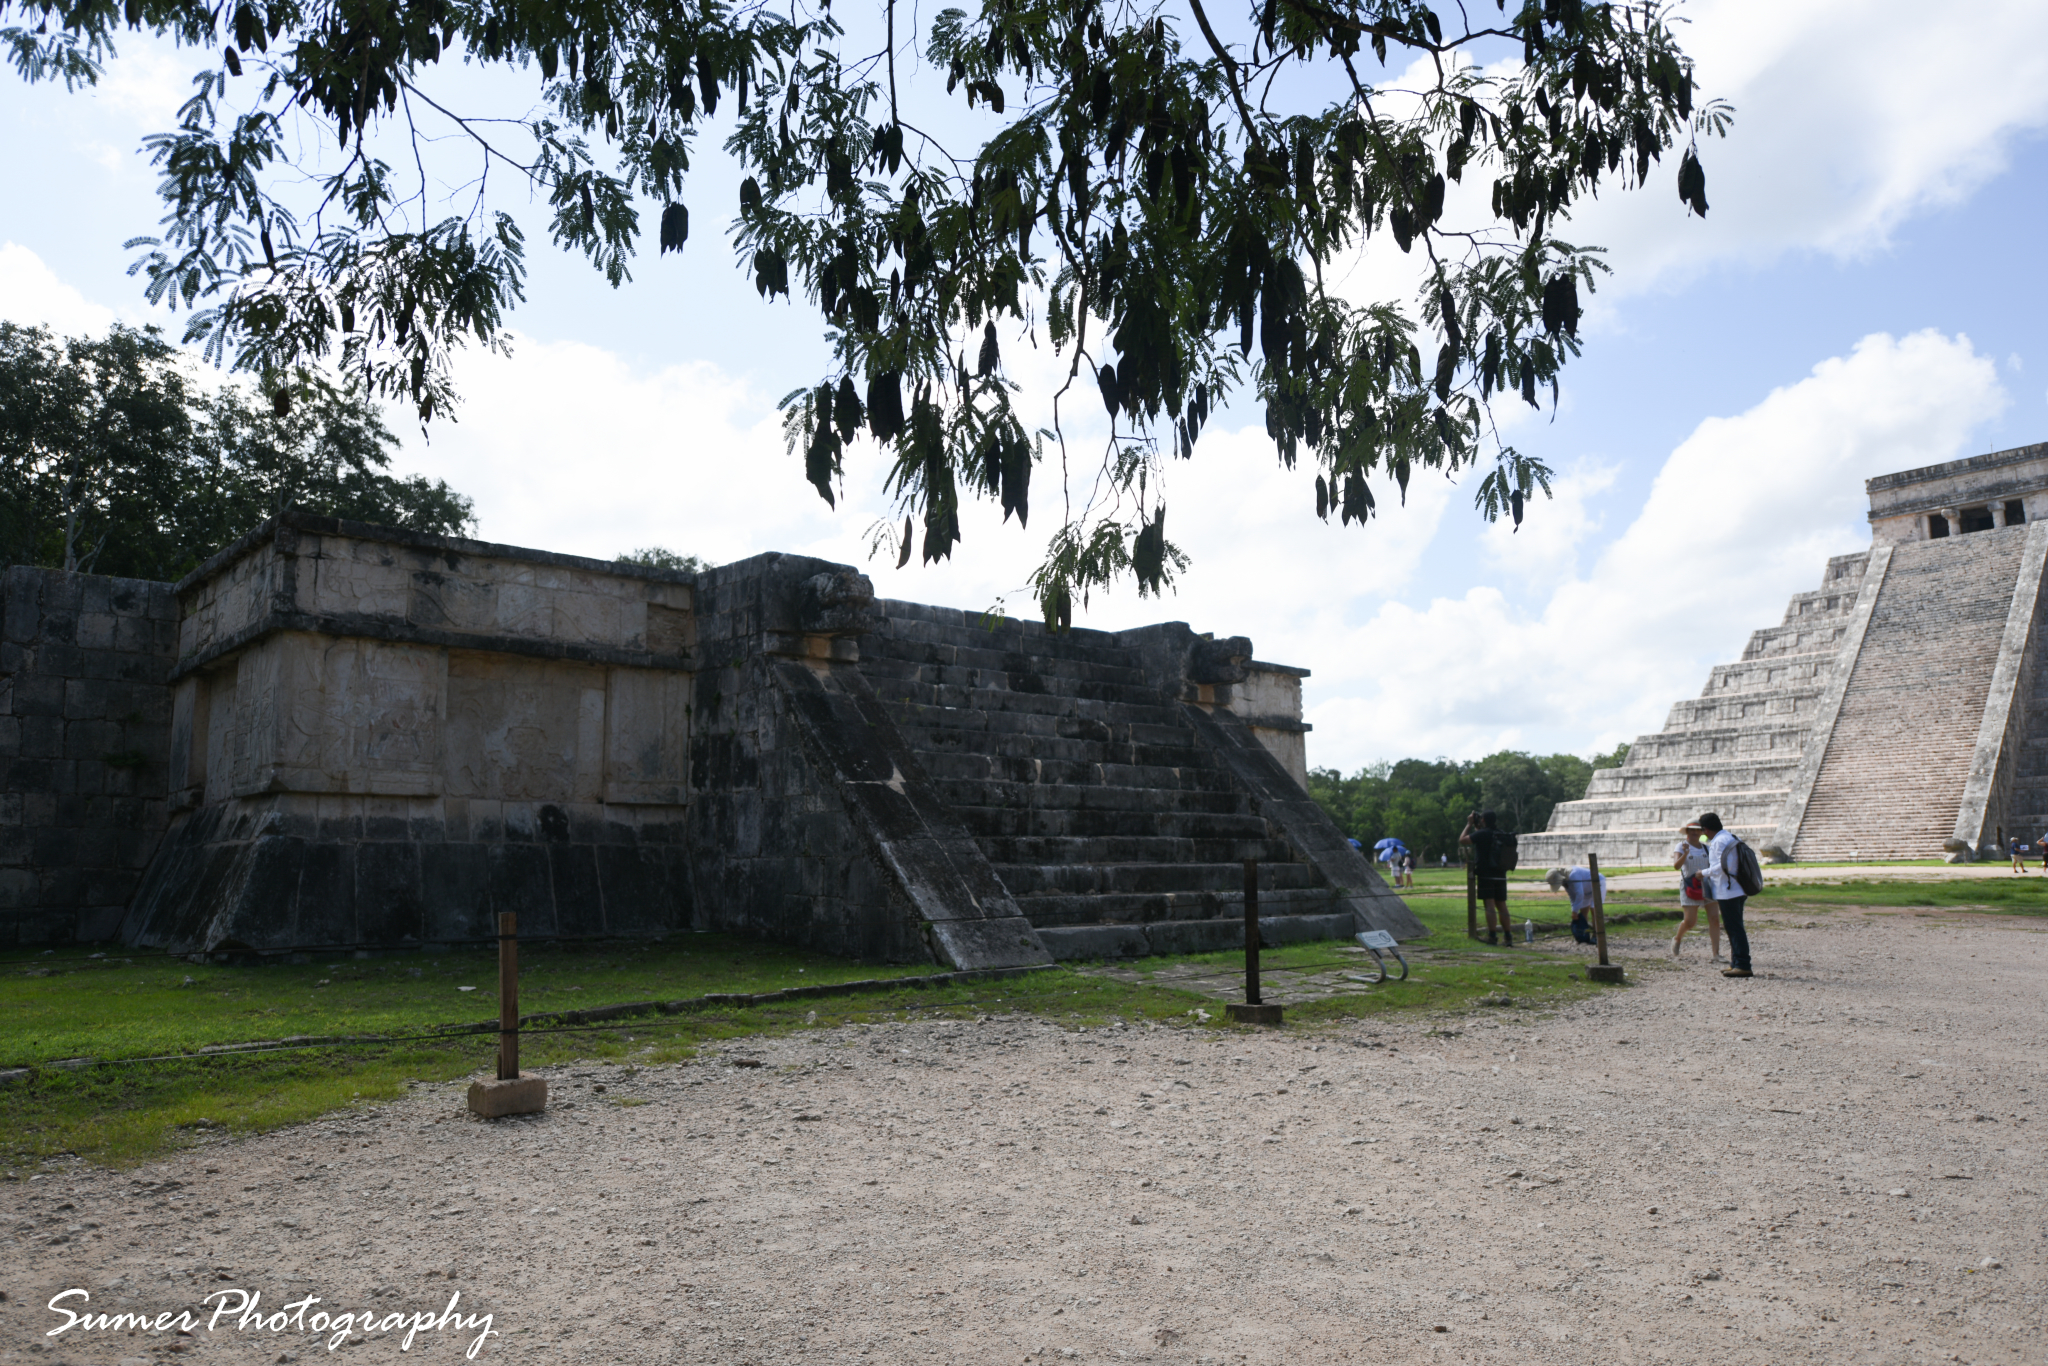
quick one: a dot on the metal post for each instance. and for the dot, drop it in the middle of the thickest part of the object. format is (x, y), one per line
(508, 996)
(1251, 932)
(1603, 971)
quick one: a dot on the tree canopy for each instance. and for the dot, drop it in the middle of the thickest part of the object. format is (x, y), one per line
(1423, 803)
(113, 461)
(1167, 196)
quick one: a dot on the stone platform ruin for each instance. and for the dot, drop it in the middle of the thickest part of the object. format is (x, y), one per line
(1898, 712)
(336, 736)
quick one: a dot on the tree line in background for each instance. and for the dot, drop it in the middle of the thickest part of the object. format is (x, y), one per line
(1423, 803)
(116, 459)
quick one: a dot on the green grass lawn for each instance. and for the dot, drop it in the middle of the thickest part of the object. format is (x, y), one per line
(69, 1005)
(2017, 895)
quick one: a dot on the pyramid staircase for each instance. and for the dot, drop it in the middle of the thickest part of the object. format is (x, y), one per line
(1102, 801)
(1896, 763)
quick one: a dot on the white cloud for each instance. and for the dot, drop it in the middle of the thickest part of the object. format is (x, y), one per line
(31, 294)
(1745, 513)
(1851, 116)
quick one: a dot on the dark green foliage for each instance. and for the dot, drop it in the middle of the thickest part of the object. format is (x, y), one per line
(661, 557)
(1424, 803)
(1614, 758)
(113, 462)
(1151, 194)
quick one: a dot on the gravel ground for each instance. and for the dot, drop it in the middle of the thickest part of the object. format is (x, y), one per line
(1837, 1161)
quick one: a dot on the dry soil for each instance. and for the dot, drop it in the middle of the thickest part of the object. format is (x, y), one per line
(1837, 1161)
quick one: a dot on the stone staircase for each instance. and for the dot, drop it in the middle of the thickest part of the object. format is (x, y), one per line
(1892, 777)
(1111, 819)
(2027, 806)
(1733, 750)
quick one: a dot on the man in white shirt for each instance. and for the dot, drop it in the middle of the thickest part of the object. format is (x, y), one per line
(1727, 893)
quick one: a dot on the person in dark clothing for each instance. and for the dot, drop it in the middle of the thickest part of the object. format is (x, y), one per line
(1727, 893)
(1490, 867)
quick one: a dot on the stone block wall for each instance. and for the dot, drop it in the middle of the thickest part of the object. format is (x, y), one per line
(384, 738)
(84, 747)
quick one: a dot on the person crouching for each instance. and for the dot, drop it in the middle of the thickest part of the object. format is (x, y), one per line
(1578, 882)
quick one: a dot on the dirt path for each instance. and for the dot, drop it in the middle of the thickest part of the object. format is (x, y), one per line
(1838, 1161)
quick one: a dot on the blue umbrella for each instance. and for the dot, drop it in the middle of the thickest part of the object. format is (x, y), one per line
(1384, 845)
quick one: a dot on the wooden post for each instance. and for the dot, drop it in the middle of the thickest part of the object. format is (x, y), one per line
(510, 1094)
(1471, 895)
(508, 996)
(1603, 971)
(1251, 932)
(1253, 1011)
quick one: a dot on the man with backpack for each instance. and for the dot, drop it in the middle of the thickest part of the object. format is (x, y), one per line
(1733, 876)
(1494, 856)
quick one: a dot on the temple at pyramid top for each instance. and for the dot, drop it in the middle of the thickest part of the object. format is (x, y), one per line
(1892, 714)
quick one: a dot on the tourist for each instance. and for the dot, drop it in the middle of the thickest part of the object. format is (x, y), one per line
(2019, 854)
(2043, 846)
(1489, 865)
(1579, 883)
(1406, 868)
(1724, 889)
(1689, 858)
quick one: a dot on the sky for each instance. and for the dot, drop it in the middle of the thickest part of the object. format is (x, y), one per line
(1864, 296)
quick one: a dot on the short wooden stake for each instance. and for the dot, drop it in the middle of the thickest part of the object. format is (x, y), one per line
(1471, 897)
(508, 996)
(1253, 1011)
(1603, 971)
(510, 1094)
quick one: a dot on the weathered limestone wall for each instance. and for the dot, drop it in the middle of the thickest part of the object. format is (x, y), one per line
(84, 740)
(811, 820)
(1979, 487)
(1269, 701)
(380, 737)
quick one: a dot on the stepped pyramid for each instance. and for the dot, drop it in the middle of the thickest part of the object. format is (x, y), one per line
(1113, 801)
(1897, 712)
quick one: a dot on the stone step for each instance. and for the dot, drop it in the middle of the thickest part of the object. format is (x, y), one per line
(1194, 825)
(995, 792)
(1027, 672)
(972, 696)
(1097, 879)
(1040, 850)
(1885, 788)
(996, 727)
(949, 740)
(887, 673)
(1204, 776)
(1211, 935)
(1621, 847)
(1135, 908)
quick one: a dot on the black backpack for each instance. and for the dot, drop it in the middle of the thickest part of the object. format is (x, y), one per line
(1748, 873)
(1497, 854)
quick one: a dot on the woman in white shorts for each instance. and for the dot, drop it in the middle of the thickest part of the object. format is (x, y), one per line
(1689, 858)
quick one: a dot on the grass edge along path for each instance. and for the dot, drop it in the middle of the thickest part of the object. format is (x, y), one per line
(122, 1115)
